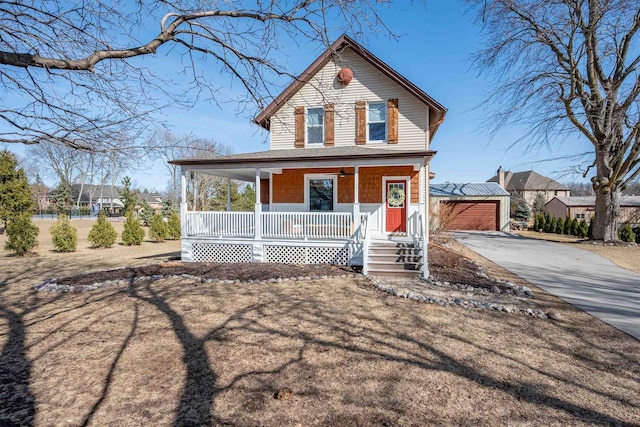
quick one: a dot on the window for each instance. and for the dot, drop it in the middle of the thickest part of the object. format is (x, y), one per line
(377, 123)
(580, 216)
(321, 192)
(315, 125)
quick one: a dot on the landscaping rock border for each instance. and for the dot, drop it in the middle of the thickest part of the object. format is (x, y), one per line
(427, 291)
(419, 290)
(51, 285)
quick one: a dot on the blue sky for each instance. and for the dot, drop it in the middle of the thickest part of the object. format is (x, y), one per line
(436, 41)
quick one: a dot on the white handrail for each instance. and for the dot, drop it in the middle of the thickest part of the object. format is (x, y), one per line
(219, 224)
(307, 225)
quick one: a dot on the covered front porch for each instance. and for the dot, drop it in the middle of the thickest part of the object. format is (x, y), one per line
(320, 206)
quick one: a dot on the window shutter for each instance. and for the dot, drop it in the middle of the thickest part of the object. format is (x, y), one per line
(392, 121)
(299, 114)
(361, 122)
(329, 114)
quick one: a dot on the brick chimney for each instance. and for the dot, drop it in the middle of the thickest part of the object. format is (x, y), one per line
(500, 174)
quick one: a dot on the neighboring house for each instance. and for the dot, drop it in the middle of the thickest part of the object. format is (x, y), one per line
(584, 207)
(529, 186)
(345, 179)
(472, 206)
(153, 199)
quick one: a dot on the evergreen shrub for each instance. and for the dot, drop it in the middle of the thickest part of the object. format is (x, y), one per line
(173, 226)
(158, 229)
(102, 234)
(64, 235)
(133, 233)
(22, 234)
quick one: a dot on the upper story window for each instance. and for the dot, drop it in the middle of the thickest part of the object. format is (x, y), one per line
(315, 125)
(377, 121)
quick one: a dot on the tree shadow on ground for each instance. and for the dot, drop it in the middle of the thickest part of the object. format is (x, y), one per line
(319, 344)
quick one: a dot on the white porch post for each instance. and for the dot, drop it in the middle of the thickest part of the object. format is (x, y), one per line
(258, 208)
(195, 191)
(186, 249)
(424, 217)
(257, 254)
(228, 194)
(356, 199)
(183, 200)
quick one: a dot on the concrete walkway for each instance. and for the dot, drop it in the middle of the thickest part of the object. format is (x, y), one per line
(578, 276)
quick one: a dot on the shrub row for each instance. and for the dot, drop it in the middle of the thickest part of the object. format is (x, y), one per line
(550, 224)
(22, 234)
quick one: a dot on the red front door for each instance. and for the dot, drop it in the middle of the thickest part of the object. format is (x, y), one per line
(396, 207)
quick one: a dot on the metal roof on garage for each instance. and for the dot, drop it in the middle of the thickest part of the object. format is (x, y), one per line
(472, 189)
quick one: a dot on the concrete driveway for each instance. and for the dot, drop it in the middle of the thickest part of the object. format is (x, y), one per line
(578, 276)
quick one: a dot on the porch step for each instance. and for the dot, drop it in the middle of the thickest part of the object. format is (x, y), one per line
(398, 259)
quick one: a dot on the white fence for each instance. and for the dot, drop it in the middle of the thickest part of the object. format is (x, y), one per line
(307, 225)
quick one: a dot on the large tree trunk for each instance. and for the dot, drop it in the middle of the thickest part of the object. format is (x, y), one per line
(607, 219)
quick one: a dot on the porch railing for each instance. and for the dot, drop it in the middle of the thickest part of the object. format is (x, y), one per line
(219, 224)
(307, 225)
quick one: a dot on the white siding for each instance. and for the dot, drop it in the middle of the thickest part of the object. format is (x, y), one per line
(368, 84)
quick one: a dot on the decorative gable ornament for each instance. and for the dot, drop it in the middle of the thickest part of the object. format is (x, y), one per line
(345, 75)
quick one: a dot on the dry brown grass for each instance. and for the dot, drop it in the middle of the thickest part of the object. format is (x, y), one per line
(625, 257)
(184, 353)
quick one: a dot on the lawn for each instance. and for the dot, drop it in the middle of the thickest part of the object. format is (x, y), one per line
(181, 352)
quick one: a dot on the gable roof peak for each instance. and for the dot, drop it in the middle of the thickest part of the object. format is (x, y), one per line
(344, 41)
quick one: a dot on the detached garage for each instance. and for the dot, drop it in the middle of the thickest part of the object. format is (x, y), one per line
(475, 206)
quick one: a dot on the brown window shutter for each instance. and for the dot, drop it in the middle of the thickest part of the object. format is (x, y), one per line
(329, 114)
(299, 113)
(392, 121)
(361, 122)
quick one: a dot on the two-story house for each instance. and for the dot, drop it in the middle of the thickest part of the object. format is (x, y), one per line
(345, 179)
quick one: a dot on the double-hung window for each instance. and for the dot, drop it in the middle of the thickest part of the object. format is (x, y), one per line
(377, 121)
(315, 125)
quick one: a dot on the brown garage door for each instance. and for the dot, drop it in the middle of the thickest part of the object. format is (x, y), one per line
(470, 215)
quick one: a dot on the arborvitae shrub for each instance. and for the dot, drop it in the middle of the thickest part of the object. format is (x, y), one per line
(575, 227)
(542, 223)
(636, 232)
(560, 225)
(590, 229)
(173, 226)
(583, 229)
(536, 223)
(22, 234)
(158, 229)
(102, 234)
(64, 235)
(627, 234)
(551, 225)
(567, 226)
(133, 233)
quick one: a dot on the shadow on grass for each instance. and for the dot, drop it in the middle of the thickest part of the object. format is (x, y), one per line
(393, 334)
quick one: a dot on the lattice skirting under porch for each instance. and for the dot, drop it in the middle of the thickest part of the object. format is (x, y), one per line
(213, 252)
(228, 252)
(306, 254)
